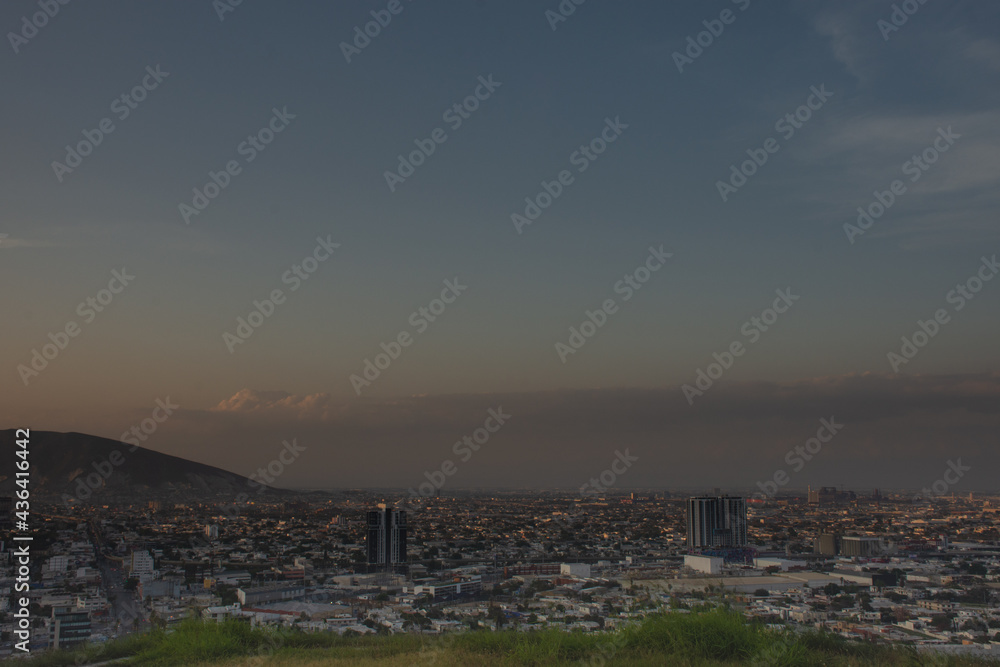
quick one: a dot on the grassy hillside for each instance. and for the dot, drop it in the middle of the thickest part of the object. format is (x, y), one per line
(704, 639)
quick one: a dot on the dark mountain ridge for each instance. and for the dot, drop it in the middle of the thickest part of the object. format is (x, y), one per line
(89, 468)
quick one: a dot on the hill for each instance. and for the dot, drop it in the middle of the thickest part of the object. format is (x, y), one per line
(82, 466)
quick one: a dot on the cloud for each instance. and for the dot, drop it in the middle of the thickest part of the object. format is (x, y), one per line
(734, 435)
(865, 396)
(250, 401)
(953, 201)
(846, 42)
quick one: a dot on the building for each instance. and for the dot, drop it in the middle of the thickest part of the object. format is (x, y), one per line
(827, 544)
(141, 564)
(703, 564)
(58, 563)
(70, 627)
(449, 590)
(716, 521)
(937, 605)
(265, 594)
(386, 537)
(782, 564)
(219, 614)
(851, 545)
(829, 495)
(233, 578)
(581, 570)
(212, 531)
(532, 569)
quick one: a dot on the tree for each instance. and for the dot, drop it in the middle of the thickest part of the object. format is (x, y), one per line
(941, 623)
(497, 615)
(761, 593)
(227, 593)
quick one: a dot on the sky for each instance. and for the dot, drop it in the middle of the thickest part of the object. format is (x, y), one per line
(646, 128)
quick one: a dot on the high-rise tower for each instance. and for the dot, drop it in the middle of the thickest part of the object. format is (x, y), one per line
(387, 537)
(716, 522)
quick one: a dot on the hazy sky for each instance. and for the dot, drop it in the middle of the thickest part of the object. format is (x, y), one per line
(880, 96)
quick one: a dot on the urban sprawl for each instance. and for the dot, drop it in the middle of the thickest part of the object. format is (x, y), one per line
(877, 566)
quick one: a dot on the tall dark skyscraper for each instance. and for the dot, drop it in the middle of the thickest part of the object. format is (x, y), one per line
(386, 537)
(716, 522)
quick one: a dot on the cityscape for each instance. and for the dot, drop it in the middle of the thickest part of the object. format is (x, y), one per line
(874, 566)
(393, 333)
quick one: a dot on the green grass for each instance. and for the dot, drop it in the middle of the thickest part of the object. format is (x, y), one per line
(712, 638)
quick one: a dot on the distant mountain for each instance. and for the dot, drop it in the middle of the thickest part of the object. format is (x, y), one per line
(93, 469)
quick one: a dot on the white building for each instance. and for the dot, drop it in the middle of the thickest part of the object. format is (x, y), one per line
(57, 564)
(780, 563)
(141, 563)
(575, 569)
(219, 614)
(705, 564)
